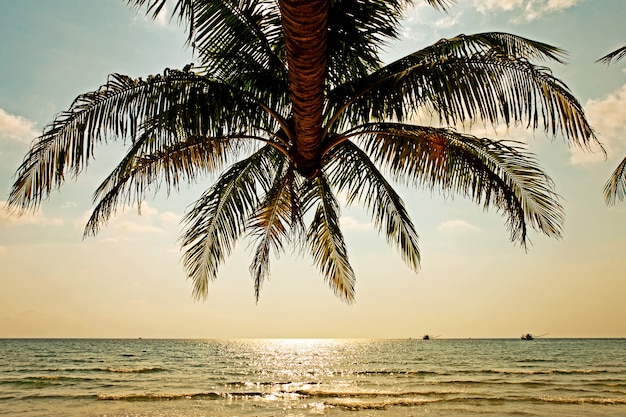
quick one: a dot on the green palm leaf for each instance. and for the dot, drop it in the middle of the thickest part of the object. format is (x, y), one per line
(277, 215)
(351, 170)
(219, 217)
(615, 188)
(491, 173)
(325, 239)
(229, 35)
(139, 171)
(481, 77)
(119, 109)
(232, 35)
(616, 55)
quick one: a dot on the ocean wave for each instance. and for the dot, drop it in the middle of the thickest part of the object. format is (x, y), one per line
(256, 395)
(377, 405)
(286, 385)
(358, 404)
(541, 371)
(44, 380)
(421, 373)
(386, 372)
(145, 370)
(583, 400)
(48, 397)
(158, 396)
(67, 370)
(350, 401)
(316, 393)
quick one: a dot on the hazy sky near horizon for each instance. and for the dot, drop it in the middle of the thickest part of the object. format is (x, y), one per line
(129, 282)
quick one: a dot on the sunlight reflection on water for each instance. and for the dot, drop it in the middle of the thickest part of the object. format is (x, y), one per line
(300, 377)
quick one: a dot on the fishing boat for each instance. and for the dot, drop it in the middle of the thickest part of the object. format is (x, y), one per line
(529, 336)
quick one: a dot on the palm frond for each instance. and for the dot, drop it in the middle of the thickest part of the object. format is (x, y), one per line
(270, 225)
(492, 173)
(229, 35)
(124, 108)
(119, 109)
(357, 32)
(140, 170)
(351, 170)
(232, 36)
(469, 78)
(613, 56)
(615, 187)
(219, 217)
(155, 7)
(325, 239)
(505, 43)
(440, 4)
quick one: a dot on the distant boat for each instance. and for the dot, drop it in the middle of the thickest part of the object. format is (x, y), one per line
(529, 336)
(426, 337)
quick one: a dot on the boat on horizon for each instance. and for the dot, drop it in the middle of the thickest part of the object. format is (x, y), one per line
(529, 336)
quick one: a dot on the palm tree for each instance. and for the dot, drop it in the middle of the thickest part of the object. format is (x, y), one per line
(615, 187)
(291, 105)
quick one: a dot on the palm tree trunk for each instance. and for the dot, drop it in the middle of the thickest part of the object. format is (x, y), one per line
(305, 27)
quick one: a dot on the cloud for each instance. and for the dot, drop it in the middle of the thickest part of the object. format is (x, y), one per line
(424, 15)
(16, 128)
(608, 117)
(136, 228)
(350, 223)
(161, 20)
(457, 225)
(127, 222)
(526, 9)
(169, 217)
(37, 218)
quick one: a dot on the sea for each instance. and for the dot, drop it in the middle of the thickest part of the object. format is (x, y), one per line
(312, 377)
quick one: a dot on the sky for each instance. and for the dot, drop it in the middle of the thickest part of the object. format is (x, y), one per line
(129, 282)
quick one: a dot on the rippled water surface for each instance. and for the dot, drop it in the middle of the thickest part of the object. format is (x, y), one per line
(114, 378)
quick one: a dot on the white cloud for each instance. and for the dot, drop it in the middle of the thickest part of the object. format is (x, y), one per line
(162, 19)
(137, 228)
(37, 218)
(608, 117)
(169, 217)
(17, 128)
(131, 222)
(527, 9)
(422, 15)
(457, 225)
(350, 223)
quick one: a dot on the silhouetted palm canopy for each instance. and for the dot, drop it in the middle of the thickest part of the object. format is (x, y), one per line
(615, 187)
(290, 106)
